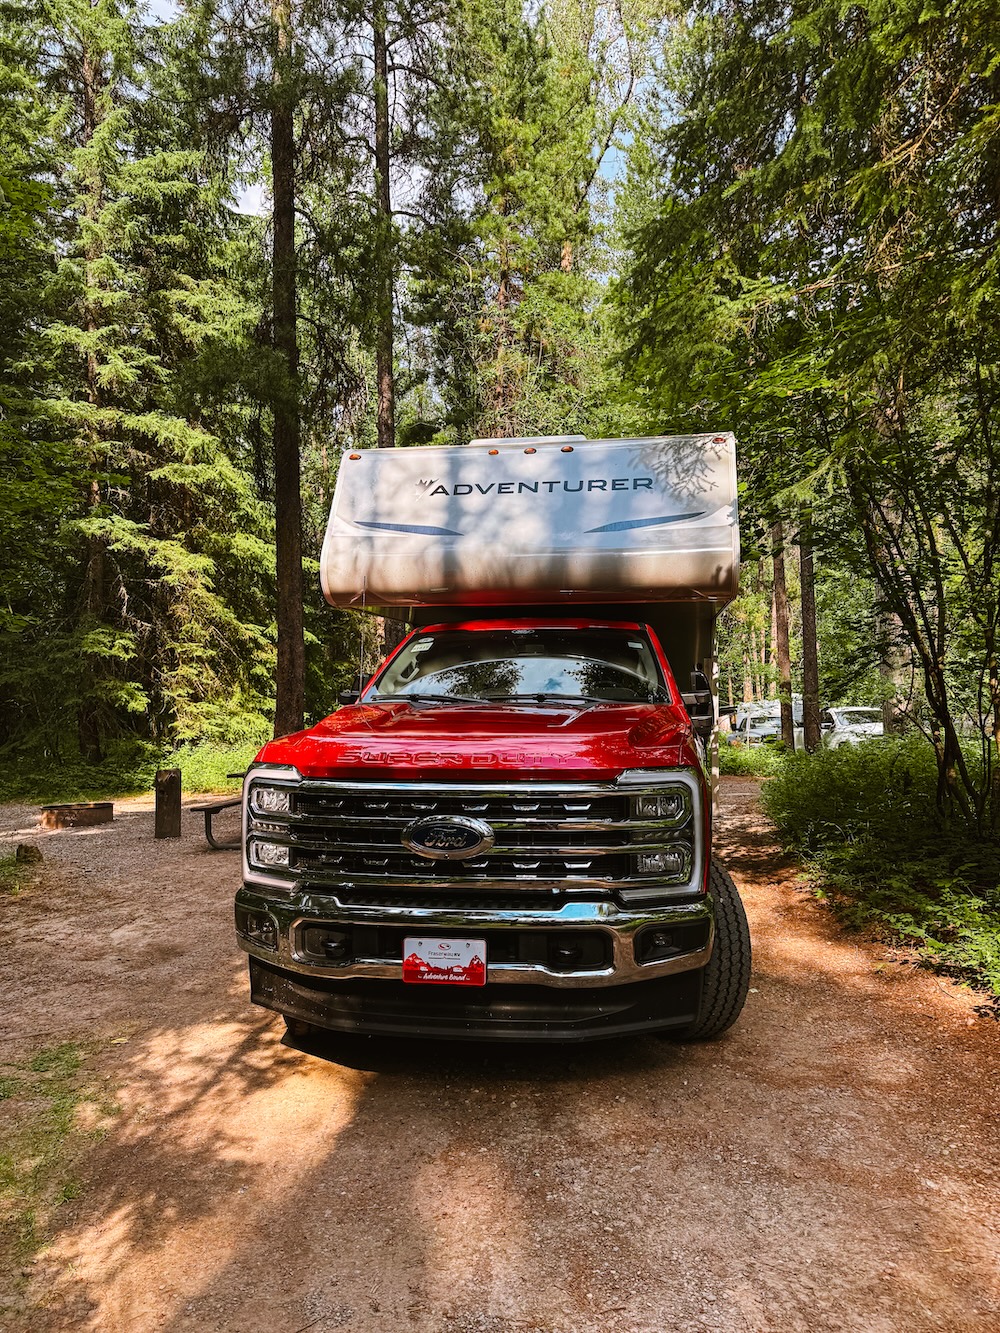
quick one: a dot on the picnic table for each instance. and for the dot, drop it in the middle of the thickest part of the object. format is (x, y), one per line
(212, 808)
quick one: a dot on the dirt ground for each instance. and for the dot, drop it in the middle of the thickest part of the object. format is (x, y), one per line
(830, 1164)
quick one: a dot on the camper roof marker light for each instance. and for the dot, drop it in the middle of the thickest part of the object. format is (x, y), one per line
(531, 451)
(354, 456)
(566, 449)
(494, 452)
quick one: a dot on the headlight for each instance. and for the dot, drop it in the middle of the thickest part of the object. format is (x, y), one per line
(673, 863)
(672, 806)
(269, 855)
(271, 800)
(665, 808)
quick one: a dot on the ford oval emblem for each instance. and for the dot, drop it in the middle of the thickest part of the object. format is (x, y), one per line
(448, 837)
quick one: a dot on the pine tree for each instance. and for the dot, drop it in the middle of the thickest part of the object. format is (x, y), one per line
(136, 633)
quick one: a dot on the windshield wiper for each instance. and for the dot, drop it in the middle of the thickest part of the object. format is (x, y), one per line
(428, 699)
(546, 697)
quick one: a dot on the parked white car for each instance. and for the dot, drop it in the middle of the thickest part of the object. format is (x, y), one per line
(760, 723)
(849, 726)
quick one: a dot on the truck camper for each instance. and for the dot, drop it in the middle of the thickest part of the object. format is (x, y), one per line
(507, 834)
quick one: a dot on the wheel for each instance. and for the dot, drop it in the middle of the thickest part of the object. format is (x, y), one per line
(727, 975)
(298, 1027)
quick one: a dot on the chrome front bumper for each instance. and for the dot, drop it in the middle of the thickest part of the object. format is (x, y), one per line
(620, 925)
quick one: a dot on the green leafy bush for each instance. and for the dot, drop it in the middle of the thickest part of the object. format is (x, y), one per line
(864, 819)
(205, 767)
(883, 789)
(128, 769)
(750, 761)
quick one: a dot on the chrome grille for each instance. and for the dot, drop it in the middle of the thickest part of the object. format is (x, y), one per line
(400, 808)
(347, 839)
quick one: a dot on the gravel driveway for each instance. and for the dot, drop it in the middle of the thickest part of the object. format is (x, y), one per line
(830, 1164)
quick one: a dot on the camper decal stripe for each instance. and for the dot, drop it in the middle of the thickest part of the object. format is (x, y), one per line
(627, 523)
(409, 527)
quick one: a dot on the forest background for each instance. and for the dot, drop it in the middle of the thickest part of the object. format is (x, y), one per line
(240, 236)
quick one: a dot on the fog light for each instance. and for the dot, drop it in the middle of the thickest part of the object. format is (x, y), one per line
(257, 927)
(672, 863)
(566, 955)
(269, 853)
(660, 805)
(271, 800)
(655, 945)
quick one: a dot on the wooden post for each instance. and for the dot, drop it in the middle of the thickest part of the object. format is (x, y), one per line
(168, 803)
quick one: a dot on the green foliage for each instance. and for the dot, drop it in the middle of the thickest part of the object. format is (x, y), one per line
(128, 770)
(883, 789)
(750, 761)
(865, 819)
(820, 274)
(206, 767)
(136, 602)
(12, 875)
(515, 338)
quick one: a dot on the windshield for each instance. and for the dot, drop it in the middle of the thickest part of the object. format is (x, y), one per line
(764, 726)
(596, 665)
(856, 717)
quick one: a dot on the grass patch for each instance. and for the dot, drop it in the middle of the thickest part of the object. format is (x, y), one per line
(127, 771)
(12, 875)
(863, 819)
(51, 1111)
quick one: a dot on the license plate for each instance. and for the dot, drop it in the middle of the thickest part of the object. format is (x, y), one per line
(441, 962)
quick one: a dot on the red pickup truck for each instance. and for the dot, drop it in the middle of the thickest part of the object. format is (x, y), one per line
(508, 834)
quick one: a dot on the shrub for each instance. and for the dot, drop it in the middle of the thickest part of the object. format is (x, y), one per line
(750, 761)
(883, 788)
(128, 769)
(865, 820)
(205, 767)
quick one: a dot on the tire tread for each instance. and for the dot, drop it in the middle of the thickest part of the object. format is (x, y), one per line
(727, 974)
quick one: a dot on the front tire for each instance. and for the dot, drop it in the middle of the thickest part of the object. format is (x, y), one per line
(727, 974)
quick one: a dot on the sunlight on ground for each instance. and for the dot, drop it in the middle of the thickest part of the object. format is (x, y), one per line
(215, 1121)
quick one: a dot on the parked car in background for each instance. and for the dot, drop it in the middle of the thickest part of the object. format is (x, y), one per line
(849, 726)
(759, 723)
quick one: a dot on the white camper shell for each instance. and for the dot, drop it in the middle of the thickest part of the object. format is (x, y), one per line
(524, 523)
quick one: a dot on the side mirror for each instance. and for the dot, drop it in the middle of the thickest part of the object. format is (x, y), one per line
(699, 706)
(346, 697)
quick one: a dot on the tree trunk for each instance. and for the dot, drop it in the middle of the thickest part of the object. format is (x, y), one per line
(810, 651)
(94, 601)
(289, 705)
(894, 669)
(781, 648)
(383, 221)
(393, 628)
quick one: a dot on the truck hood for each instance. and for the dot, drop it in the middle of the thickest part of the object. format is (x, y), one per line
(431, 742)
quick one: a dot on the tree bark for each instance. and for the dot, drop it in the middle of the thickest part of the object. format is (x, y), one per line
(893, 668)
(781, 647)
(289, 704)
(94, 601)
(810, 651)
(386, 389)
